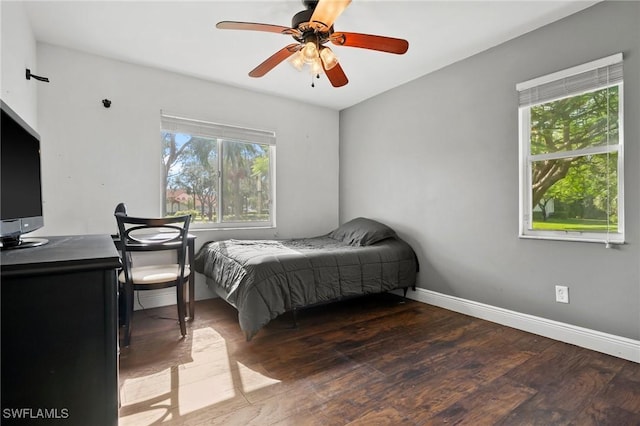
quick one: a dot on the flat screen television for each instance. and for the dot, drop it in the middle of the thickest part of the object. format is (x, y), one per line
(20, 181)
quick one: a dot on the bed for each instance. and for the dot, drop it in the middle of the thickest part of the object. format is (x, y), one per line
(263, 279)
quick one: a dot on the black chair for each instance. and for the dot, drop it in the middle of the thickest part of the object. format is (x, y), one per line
(149, 235)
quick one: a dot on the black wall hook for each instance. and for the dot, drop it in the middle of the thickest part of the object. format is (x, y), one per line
(106, 103)
(36, 77)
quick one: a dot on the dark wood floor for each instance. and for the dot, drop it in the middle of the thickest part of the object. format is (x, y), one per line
(370, 361)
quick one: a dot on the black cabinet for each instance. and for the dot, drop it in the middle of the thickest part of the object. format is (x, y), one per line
(59, 353)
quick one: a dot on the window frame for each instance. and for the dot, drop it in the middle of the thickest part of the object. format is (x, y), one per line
(526, 159)
(221, 133)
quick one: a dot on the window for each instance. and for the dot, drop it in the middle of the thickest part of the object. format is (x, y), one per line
(571, 154)
(222, 175)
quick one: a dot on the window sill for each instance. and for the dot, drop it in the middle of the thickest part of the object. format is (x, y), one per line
(234, 227)
(608, 243)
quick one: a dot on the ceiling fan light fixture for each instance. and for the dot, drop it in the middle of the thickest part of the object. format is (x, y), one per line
(297, 60)
(310, 52)
(316, 67)
(329, 59)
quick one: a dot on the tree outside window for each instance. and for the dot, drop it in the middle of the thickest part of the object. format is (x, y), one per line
(218, 181)
(581, 183)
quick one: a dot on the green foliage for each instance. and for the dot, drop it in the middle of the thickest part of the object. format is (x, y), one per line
(193, 167)
(538, 217)
(576, 122)
(199, 174)
(581, 185)
(575, 225)
(192, 213)
(260, 167)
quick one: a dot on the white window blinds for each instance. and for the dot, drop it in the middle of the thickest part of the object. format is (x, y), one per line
(573, 81)
(176, 124)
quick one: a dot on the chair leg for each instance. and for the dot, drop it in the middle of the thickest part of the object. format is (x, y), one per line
(128, 313)
(181, 308)
(191, 292)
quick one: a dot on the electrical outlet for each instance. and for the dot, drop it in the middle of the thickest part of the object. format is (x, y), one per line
(562, 294)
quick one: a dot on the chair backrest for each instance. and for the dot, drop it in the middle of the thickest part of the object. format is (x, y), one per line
(121, 208)
(139, 234)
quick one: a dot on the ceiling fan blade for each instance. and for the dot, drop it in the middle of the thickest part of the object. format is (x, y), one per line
(254, 26)
(274, 60)
(372, 42)
(326, 12)
(336, 76)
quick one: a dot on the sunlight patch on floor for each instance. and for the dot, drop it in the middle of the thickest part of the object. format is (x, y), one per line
(209, 379)
(146, 388)
(252, 380)
(155, 414)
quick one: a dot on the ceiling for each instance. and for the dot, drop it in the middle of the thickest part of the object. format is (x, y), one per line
(180, 36)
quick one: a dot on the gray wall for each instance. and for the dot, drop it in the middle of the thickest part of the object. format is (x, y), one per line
(437, 159)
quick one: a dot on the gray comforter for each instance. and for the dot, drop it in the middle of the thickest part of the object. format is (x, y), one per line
(265, 278)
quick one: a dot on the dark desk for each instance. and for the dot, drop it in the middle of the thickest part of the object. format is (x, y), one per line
(60, 332)
(191, 305)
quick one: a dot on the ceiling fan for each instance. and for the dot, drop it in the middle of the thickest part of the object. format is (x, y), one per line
(312, 28)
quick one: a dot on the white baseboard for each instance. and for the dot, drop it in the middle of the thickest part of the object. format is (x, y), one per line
(610, 344)
(167, 296)
(154, 299)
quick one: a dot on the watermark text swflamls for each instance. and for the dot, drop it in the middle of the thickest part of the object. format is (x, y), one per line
(35, 413)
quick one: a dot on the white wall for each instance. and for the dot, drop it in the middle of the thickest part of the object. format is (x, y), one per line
(94, 157)
(437, 159)
(18, 48)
